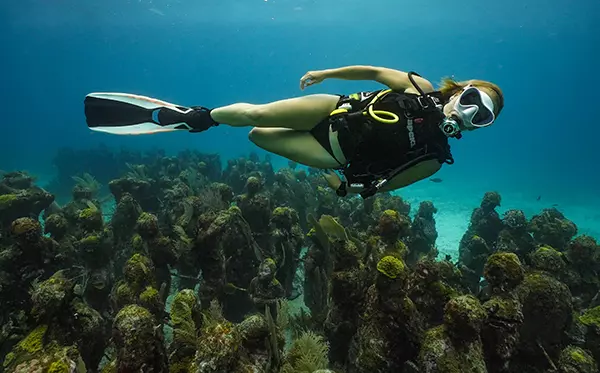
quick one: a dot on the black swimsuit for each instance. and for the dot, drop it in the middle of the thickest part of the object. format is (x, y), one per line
(320, 131)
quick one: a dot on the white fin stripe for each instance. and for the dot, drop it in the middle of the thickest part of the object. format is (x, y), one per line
(138, 129)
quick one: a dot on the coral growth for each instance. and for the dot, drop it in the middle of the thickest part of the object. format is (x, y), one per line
(156, 263)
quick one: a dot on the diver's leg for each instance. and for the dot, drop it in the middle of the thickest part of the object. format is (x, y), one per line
(301, 113)
(299, 146)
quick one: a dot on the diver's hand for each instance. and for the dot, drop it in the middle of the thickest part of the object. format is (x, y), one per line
(332, 179)
(312, 77)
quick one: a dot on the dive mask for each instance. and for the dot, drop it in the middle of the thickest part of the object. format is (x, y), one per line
(474, 108)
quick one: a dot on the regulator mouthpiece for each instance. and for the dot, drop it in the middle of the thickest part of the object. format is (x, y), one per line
(451, 128)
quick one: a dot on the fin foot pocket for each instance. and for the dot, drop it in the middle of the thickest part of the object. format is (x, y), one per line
(201, 119)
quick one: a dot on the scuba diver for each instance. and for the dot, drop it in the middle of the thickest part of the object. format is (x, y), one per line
(379, 141)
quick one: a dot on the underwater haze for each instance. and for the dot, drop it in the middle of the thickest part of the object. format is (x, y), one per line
(543, 54)
(200, 252)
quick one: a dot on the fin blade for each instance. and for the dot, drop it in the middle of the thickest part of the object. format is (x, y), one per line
(129, 114)
(138, 100)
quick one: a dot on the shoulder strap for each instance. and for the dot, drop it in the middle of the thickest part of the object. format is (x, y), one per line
(426, 101)
(412, 81)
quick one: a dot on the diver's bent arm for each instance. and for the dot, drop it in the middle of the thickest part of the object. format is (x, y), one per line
(394, 79)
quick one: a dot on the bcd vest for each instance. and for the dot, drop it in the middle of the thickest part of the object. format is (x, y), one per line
(388, 134)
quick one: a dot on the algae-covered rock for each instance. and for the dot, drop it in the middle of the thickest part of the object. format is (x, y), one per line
(94, 249)
(391, 328)
(23, 203)
(50, 297)
(490, 200)
(253, 185)
(547, 311)
(383, 202)
(91, 331)
(26, 229)
(378, 247)
(254, 329)
(500, 332)
(423, 234)
(547, 259)
(515, 220)
(217, 348)
(90, 218)
(439, 354)
(139, 271)
(473, 253)
(138, 341)
(583, 250)
(226, 252)
(503, 271)
(147, 225)
(38, 353)
(576, 360)
(56, 225)
(464, 317)
(591, 320)
(433, 284)
(284, 217)
(150, 299)
(455, 346)
(550, 227)
(393, 225)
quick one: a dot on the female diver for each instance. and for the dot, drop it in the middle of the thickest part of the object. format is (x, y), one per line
(379, 141)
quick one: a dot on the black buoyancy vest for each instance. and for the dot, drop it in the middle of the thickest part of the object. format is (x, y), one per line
(379, 151)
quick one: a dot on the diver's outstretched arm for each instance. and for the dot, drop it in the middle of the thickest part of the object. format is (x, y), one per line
(394, 79)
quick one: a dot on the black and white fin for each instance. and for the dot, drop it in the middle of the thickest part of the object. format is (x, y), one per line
(129, 114)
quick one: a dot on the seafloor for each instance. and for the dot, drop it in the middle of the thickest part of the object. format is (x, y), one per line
(142, 262)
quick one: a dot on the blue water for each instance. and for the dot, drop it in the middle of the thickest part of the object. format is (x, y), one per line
(543, 54)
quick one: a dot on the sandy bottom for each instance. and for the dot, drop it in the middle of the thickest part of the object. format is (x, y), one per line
(455, 205)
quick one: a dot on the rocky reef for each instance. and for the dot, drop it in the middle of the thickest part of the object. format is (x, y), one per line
(156, 263)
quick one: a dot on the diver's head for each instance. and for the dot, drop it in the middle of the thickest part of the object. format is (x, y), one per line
(470, 104)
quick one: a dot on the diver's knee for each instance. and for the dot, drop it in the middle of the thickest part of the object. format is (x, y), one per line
(258, 135)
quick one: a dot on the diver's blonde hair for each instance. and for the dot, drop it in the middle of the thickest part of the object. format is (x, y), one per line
(450, 86)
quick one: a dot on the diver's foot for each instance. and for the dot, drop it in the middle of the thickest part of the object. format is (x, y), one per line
(200, 119)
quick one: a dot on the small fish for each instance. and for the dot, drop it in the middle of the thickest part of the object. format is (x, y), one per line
(539, 197)
(436, 180)
(554, 205)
